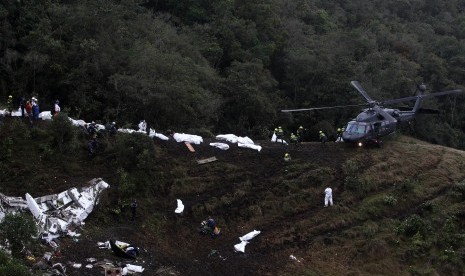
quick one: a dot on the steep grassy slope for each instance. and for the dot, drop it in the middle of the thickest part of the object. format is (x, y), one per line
(398, 210)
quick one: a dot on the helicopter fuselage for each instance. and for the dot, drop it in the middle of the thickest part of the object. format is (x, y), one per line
(370, 125)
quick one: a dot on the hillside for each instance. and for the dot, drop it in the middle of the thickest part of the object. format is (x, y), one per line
(398, 210)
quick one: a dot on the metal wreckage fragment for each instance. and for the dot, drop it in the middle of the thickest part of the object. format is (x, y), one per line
(58, 214)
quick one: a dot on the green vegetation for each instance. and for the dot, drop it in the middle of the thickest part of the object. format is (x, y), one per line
(17, 231)
(229, 66)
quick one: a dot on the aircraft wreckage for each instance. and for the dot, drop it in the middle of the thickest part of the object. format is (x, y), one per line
(57, 214)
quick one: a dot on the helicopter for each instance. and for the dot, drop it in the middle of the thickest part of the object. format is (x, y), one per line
(376, 121)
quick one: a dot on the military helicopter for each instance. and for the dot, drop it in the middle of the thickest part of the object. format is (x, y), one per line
(376, 121)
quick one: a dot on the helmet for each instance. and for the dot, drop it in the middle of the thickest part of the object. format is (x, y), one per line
(321, 131)
(10, 96)
(338, 129)
(113, 123)
(301, 127)
(287, 154)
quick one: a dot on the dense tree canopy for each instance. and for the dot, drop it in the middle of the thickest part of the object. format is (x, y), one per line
(230, 66)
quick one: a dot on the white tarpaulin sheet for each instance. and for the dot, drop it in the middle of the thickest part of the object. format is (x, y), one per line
(45, 115)
(275, 139)
(231, 138)
(222, 146)
(250, 146)
(193, 139)
(180, 207)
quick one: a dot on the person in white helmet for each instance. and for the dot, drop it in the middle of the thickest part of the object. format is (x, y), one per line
(328, 197)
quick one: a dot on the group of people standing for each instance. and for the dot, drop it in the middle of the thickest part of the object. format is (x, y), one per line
(29, 107)
(298, 136)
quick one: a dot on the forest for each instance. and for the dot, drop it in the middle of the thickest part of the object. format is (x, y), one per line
(230, 66)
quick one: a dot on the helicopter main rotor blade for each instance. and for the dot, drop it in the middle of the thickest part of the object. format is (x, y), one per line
(437, 94)
(320, 108)
(383, 113)
(362, 91)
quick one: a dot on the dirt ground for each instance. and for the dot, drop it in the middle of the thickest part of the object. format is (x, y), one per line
(246, 190)
(178, 249)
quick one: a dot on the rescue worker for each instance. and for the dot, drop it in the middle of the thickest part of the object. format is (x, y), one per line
(92, 146)
(9, 103)
(280, 134)
(339, 135)
(300, 134)
(287, 157)
(133, 209)
(22, 104)
(35, 108)
(132, 250)
(57, 108)
(293, 139)
(211, 224)
(328, 197)
(113, 129)
(92, 130)
(323, 137)
(142, 126)
(28, 108)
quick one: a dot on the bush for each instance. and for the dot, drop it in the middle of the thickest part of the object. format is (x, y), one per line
(14, 269)
(412, 225)
(134, 151)
(63, 134)
(390, 200)
(18, 230)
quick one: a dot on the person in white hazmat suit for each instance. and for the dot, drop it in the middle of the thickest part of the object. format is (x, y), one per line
(142, 126)
(328, 197)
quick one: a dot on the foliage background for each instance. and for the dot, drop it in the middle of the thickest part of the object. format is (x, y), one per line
(231, 65)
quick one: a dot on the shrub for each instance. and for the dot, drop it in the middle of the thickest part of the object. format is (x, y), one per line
(18, 230)
(63, 134)
(411, 225)
(390, 200)
(134, 151)
(14, 269)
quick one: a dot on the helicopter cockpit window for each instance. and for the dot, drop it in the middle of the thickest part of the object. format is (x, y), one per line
(355, 128)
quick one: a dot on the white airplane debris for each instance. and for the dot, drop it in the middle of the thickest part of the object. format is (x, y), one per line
(180, 207)
(134, 268)
(250, 235)
(240, 247)
(292, 257)
(58, 214)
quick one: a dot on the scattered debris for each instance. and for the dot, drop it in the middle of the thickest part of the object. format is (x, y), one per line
(292, 257)
(58, 214)
(180, 207)
(245, 240)
(189, 146)
(240, 247)
(207, 160)
(250, 235)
